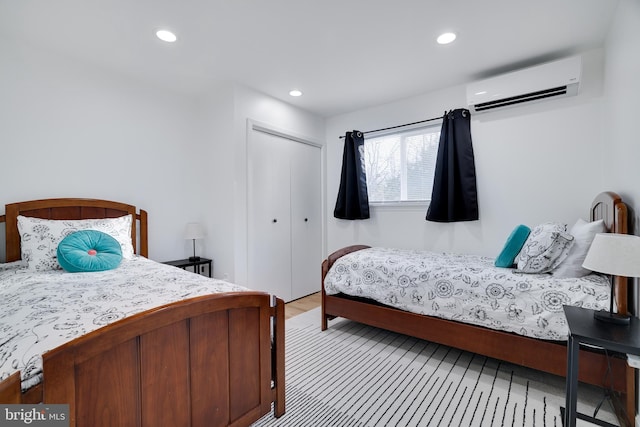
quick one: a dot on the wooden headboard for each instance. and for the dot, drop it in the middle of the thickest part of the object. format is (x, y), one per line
(72, 209)
(610, 208)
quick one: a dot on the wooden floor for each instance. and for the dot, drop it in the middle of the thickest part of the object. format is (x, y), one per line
(301, 305)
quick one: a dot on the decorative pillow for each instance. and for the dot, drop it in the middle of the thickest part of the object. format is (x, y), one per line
(89, 250)
(583, 233)
(512, 247)
(546, 247)
(39, 238)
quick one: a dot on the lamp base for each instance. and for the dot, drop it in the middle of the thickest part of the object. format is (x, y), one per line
(615, 318)
(194, 258)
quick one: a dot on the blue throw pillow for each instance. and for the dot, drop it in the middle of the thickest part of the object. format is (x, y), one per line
(512, 247)
(89, 250)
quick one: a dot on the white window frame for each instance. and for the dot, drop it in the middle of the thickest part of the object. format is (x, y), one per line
(402, 204)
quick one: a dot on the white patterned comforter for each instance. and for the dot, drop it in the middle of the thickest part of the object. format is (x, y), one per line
(466, 288)
(42, 310)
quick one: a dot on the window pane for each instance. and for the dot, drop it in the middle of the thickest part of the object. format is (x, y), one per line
(422, 151)
(382, 159)
(400, 166)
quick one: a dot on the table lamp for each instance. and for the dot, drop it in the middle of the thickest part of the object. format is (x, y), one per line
(616, 255)
(193, 231)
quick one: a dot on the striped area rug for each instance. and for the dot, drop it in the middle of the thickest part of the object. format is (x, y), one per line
(356, 375)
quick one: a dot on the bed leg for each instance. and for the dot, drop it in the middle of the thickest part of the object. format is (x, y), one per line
(630, 398)
(324, 319)
(323, 295)
(279, 403)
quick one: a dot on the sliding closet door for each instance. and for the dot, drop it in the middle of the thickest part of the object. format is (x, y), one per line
(306, 226)
(269, 216)
(284, 218)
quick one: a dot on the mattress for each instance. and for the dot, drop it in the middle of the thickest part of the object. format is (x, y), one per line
(466, 288)
(43, 310)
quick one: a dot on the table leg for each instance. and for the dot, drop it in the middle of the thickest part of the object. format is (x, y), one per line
(573, 347)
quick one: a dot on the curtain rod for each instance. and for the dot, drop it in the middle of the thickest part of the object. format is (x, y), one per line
(400, 126)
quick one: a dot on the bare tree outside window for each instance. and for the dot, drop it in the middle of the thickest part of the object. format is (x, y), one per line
(400, 166)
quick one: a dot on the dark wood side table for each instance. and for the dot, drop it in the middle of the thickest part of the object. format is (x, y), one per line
(584, 329)
(197, 266)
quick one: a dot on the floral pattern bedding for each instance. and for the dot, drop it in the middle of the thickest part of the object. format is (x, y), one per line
(42, 310)
(466, 288)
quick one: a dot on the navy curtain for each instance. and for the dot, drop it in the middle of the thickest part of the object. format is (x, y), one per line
(353, 201)
(454, 196)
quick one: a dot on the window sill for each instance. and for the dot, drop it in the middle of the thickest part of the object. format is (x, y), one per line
(400, 206)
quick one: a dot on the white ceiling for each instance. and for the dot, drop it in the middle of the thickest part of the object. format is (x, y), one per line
(343, 54)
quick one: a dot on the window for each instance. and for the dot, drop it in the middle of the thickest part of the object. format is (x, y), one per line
(400, 166)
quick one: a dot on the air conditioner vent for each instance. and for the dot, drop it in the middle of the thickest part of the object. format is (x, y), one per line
(541, 94)
(550, 80)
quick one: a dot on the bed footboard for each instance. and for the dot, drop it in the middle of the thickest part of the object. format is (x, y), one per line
(10, 390)
(326, 265)
(206, 361)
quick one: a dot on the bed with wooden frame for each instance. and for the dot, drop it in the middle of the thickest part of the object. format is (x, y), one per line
(547, 356)
(211, 360)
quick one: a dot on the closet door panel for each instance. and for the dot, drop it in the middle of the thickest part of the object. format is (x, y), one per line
(269, 217)
(306, 219)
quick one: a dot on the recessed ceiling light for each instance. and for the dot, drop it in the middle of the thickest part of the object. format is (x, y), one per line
(295, 92)
(446, 38)
(166, 36)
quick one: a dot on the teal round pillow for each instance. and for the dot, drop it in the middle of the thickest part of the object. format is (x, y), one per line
(89, 250)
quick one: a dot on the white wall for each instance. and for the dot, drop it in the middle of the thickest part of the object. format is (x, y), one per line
(622, 92)
(620, 130)
(68, 129)
(216, 180)
(534, 163)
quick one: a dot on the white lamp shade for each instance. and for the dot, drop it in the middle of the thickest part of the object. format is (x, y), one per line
(616, 254)
(194, 230)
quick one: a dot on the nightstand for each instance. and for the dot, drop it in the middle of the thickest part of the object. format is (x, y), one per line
(584, 329)
(195, 266)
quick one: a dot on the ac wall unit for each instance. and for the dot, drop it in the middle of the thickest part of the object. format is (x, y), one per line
(549, 80)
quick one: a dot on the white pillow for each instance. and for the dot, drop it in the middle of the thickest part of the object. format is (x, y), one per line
(39, 238)
(546, 247)
(583, 233)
